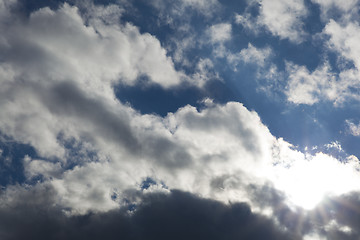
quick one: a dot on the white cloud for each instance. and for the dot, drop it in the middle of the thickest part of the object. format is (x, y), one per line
(334, 145)
(69, 49)
(353, 128)
(203, 72)
(344, 39)
(305, 87)
(220, 33)
(34, 167)
(215, 153)
(55, 46)
(308, 180)
(248, 22)
(281, 17)
(314, 236)
(250, 54)
(308, 88)
(217, 142)
(179, 7)
(327, 5)
(217, 35)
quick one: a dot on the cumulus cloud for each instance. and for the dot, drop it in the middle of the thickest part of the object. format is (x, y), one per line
(55, 46)
(282, 18)
(66, 94)
(105, 168)
(60, 38)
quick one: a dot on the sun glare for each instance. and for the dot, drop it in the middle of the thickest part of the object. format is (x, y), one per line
(307, 181)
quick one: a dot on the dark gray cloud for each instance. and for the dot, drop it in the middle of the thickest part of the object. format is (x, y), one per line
(342, 215)
(178, 215)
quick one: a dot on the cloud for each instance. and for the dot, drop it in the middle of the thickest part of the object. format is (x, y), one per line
(251, 55)
(281, 18)
(327, 6)
(343, 38)
(339, 215)
(55, 46)
(46, 169)
(34, 213)
(62, 103)
(204, 71)
(48, 34)
(195, 218)
(217, 35)
(94, 154)
(179, 7)
(173, 149)
(215, 152)
(334, 218)
(353, 128)
(325, 84)
(328, 82)
(220, 33)
(304, 87)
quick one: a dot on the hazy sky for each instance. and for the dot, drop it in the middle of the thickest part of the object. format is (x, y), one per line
(181, 119)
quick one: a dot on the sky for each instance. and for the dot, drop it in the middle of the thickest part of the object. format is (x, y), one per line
(183, 119)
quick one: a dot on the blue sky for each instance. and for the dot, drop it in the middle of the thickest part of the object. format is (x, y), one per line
(125, 109)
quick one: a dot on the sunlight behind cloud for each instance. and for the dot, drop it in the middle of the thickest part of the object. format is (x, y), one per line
(307, 181)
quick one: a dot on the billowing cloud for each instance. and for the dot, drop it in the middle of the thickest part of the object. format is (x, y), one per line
(53, 47)
(100, 167)
(62, 41)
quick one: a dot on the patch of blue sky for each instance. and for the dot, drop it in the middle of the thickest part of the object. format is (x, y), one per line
(11, 161)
